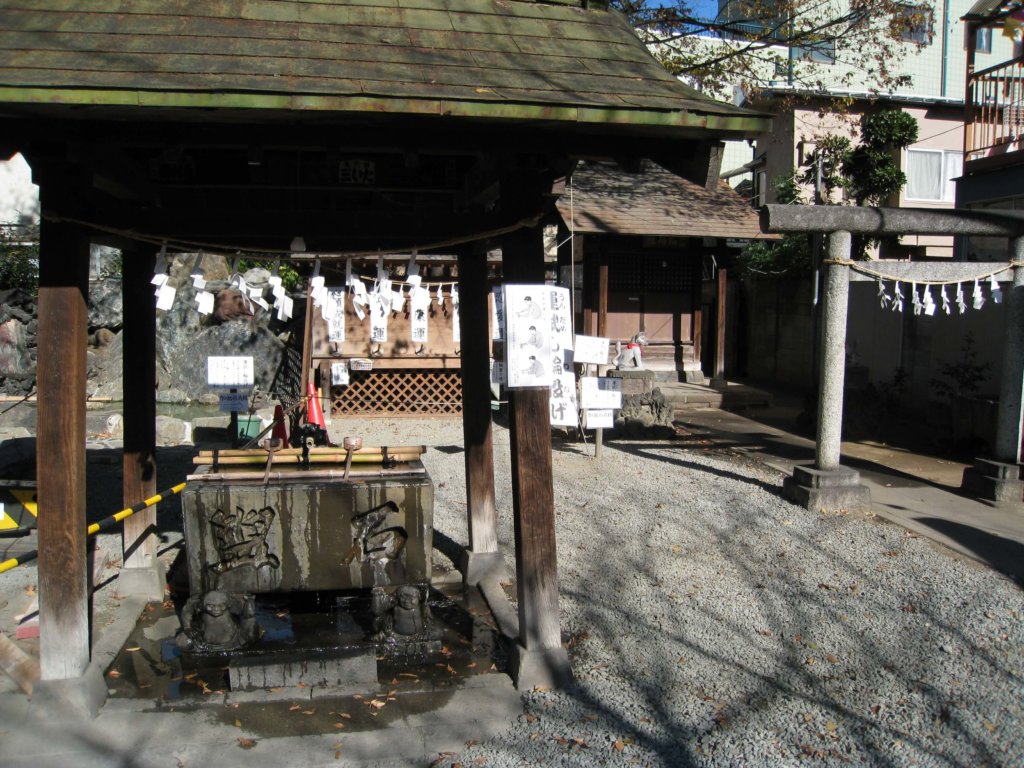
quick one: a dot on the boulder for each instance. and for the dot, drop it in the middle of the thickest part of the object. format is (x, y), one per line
(106, 304)
(187, 365)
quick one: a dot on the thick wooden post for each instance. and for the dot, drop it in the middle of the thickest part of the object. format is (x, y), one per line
(482, 559)
(60, 463)
(141, 573)
(539, 658)
(720, 297)
(602, 330)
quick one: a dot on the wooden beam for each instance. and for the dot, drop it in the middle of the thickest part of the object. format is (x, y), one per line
(476, 417)
(532, 484)
(60, 463)
(139, 364)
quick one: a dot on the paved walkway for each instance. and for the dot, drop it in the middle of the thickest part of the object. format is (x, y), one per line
(919, 492)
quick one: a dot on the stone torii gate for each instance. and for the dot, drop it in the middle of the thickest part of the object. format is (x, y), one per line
(829, 485)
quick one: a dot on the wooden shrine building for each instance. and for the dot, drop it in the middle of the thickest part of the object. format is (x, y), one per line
(369, 125)
(644, 240)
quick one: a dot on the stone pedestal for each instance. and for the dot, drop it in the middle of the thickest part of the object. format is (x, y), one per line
(73, 697)
(634, 381)
(148, 582)
(477, 566)
(994, 481)
(827, 489)
(348, 669)
(544, 667)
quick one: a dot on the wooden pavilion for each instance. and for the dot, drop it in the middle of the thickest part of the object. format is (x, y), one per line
(355, 124)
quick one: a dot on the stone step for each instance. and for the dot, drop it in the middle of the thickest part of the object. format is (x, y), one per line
(730, 397)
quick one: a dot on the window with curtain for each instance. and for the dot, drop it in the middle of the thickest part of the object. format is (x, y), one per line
(930, 174)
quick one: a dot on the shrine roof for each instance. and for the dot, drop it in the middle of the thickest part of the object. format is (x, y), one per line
(608, 200)
(505, 60)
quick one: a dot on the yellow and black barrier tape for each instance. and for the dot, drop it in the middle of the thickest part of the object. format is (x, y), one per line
(102, 525)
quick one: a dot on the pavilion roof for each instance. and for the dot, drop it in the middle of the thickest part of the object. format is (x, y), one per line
(508, 60)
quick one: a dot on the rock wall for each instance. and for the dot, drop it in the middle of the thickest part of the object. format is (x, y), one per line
(184, 338)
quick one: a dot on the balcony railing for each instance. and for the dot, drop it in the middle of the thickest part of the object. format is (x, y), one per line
(996, 119)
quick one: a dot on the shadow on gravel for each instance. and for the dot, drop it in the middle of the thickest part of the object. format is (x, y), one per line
(647, 451)
(1005, 555)
(743, 636)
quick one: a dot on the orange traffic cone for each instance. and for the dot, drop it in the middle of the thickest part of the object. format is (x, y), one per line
(314, 413)
(280, 425)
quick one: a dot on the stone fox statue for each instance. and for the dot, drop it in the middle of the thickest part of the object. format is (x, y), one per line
(631, 356)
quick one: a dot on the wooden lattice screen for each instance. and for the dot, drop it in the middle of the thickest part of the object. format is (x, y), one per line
(400, 392)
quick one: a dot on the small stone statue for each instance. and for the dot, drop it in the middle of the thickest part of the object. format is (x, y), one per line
(632, 355)
(404, 619)
(218, 621)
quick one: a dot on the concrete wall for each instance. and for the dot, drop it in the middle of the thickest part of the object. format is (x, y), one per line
(779, 332)
(778, 325)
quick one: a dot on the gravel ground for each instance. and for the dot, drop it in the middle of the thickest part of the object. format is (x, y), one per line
(712, 623)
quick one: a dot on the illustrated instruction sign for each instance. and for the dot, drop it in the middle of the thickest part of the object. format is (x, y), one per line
(527, 335)
(230, 372)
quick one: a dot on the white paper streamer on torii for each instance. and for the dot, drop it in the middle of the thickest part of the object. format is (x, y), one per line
(929, 302)
(925, 303)
(997, 293)
(883, 297)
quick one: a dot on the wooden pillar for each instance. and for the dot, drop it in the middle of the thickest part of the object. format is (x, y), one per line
(602, 330)
(539, 658)
(60, 463)
(698, 316)
(482, 559)
(720, 296)
(141, 573)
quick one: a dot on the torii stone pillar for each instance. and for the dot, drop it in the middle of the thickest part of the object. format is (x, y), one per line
(997, 480)
(827, 485)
